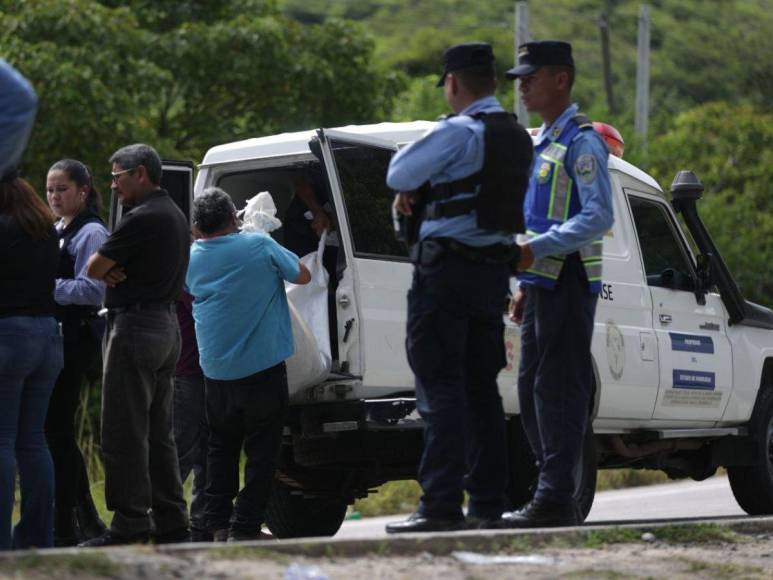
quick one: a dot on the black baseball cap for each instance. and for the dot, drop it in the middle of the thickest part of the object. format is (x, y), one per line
(533, 55)
(467, 55)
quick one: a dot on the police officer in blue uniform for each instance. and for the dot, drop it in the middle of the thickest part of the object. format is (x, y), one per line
(474, 166)
(568, 209)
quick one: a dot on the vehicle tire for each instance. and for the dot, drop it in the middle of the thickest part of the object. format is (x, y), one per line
(291, 515)
(523, 470)
(752, 485)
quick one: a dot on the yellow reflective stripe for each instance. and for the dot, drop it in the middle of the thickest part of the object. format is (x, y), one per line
(592, 251)
(555, 152)
(560, 193)
(549, 267)
(593, 271)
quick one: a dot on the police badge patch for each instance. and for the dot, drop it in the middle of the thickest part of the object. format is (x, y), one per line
(585, 168)
(544, 173)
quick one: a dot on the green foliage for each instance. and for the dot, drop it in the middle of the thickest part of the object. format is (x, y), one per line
(730, 148)
(183, 76)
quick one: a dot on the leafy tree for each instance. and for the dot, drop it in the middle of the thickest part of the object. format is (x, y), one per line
(730, 148)
(112, 73)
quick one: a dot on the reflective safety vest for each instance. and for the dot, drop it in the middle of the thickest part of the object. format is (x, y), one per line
(552, 199)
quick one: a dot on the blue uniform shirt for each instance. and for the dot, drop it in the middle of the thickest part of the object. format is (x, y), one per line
(453, 150)
(595, 193)
(240, 308)
(18, 104)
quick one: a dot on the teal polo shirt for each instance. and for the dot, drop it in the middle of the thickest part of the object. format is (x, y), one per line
(240, 306)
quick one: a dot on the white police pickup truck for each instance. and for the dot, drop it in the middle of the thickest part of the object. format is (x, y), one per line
(683, 364)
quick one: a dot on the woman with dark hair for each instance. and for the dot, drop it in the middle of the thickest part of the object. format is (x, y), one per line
(30, 361)
(73, 199)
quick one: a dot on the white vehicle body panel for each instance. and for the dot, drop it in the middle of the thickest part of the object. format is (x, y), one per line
(633, 348)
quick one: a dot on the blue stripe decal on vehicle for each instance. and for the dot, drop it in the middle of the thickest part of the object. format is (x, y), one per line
(687, 379)
(691, 343)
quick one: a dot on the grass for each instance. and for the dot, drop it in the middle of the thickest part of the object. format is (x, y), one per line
(76, 565)
(722, 570)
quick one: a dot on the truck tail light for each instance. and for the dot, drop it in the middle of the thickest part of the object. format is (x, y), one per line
(612, 138)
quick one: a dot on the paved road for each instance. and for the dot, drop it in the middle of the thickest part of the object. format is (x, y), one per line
(670, 501)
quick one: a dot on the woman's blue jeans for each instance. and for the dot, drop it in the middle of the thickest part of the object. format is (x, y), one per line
(30, 361)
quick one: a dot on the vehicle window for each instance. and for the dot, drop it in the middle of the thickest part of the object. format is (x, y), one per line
(280, 182)
(362, 174)
(665, 261)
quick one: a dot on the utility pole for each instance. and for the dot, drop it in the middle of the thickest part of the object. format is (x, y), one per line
(521, 37)
(605, 58)
(643, 76)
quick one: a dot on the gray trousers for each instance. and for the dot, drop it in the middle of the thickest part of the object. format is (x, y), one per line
(138, 449)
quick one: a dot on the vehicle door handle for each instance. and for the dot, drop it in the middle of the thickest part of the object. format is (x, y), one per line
(665, 319)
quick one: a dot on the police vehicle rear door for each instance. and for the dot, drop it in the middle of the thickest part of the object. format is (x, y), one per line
(696, 372)
(176, 178)
(371, 296)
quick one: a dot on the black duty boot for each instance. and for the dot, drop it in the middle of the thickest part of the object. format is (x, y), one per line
(66, 532)
(542, 514)
(419, 523)
(89, 522)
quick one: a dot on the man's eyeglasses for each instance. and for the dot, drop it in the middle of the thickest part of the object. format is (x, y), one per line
(117, 175)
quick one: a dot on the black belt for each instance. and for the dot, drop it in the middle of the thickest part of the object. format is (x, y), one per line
(142, 307)
(493, 254)
(451, 208)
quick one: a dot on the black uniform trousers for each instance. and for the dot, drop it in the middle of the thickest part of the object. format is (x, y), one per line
(455, 346)
(555, 377)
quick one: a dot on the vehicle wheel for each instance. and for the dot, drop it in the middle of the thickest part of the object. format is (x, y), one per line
(752, 485)
(291, 515)
(523, 470)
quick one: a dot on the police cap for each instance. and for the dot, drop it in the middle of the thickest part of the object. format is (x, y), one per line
(533, 55)
(467, 55)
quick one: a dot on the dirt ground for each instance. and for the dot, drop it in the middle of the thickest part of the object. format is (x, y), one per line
(707, 554)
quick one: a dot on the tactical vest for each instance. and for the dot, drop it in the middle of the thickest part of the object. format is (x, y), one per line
(71, 315)
(552, 199)
(499, 186)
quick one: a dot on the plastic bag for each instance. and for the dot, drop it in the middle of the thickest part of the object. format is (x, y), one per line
(259, 214)
(310, 364)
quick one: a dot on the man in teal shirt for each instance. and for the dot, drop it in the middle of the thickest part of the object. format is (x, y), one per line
(244, 336)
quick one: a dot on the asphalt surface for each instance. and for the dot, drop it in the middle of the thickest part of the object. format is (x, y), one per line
(670, 502)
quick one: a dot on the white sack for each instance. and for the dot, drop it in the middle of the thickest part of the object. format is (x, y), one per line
(308, 307)
(259, 215)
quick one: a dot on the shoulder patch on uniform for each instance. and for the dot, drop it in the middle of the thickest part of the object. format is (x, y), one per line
(585, 168)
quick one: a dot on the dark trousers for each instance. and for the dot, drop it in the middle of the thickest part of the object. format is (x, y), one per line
(190, 435)
(141, 469)
(555, 377)
(455, 346)
(30, 360)
(81, 353)
(250, 412)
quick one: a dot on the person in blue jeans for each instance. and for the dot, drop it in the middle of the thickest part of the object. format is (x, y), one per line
(30, 360)
(30, 343)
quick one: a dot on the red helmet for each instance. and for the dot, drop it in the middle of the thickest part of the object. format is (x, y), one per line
(612, 138)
